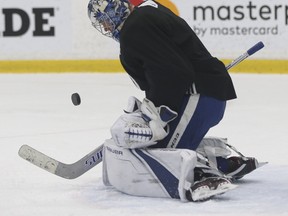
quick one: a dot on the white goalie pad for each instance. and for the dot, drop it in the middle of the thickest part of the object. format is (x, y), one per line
(212, 147)
(149, 172)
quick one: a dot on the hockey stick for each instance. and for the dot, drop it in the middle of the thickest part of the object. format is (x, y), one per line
(74, 170)
(68, 171)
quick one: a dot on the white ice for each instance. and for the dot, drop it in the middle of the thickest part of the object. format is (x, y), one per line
(36, 109)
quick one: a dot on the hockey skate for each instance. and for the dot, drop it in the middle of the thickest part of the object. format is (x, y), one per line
(208, 182)
(226, 158)
(237, 167)
(207, 188)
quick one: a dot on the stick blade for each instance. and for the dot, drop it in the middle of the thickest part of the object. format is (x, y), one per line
(67, 171)
(38, 159)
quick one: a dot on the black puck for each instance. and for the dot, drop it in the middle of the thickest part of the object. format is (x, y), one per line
(76, 100)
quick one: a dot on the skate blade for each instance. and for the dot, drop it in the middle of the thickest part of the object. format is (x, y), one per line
(260, 164)
(205, 193)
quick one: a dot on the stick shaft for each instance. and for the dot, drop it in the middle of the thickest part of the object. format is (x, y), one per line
(245, 55)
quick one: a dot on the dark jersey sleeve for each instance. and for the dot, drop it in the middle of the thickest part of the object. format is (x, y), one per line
(153, 59)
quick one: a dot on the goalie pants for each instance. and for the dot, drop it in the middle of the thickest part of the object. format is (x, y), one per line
(198, 114)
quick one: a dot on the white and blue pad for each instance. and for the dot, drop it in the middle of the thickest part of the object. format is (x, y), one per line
(149, 172)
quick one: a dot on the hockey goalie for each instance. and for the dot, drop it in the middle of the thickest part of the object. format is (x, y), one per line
(133, 163)
(158, 146)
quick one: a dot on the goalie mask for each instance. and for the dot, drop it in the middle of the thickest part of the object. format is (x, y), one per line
(108, 16)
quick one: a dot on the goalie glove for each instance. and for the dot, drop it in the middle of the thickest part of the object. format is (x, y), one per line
(144, 126)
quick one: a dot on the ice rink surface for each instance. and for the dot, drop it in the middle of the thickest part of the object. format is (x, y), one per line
(36, 109)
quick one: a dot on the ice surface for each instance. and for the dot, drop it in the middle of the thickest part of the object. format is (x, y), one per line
(36, 109)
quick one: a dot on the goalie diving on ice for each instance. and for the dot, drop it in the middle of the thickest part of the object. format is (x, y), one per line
(159, 146)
